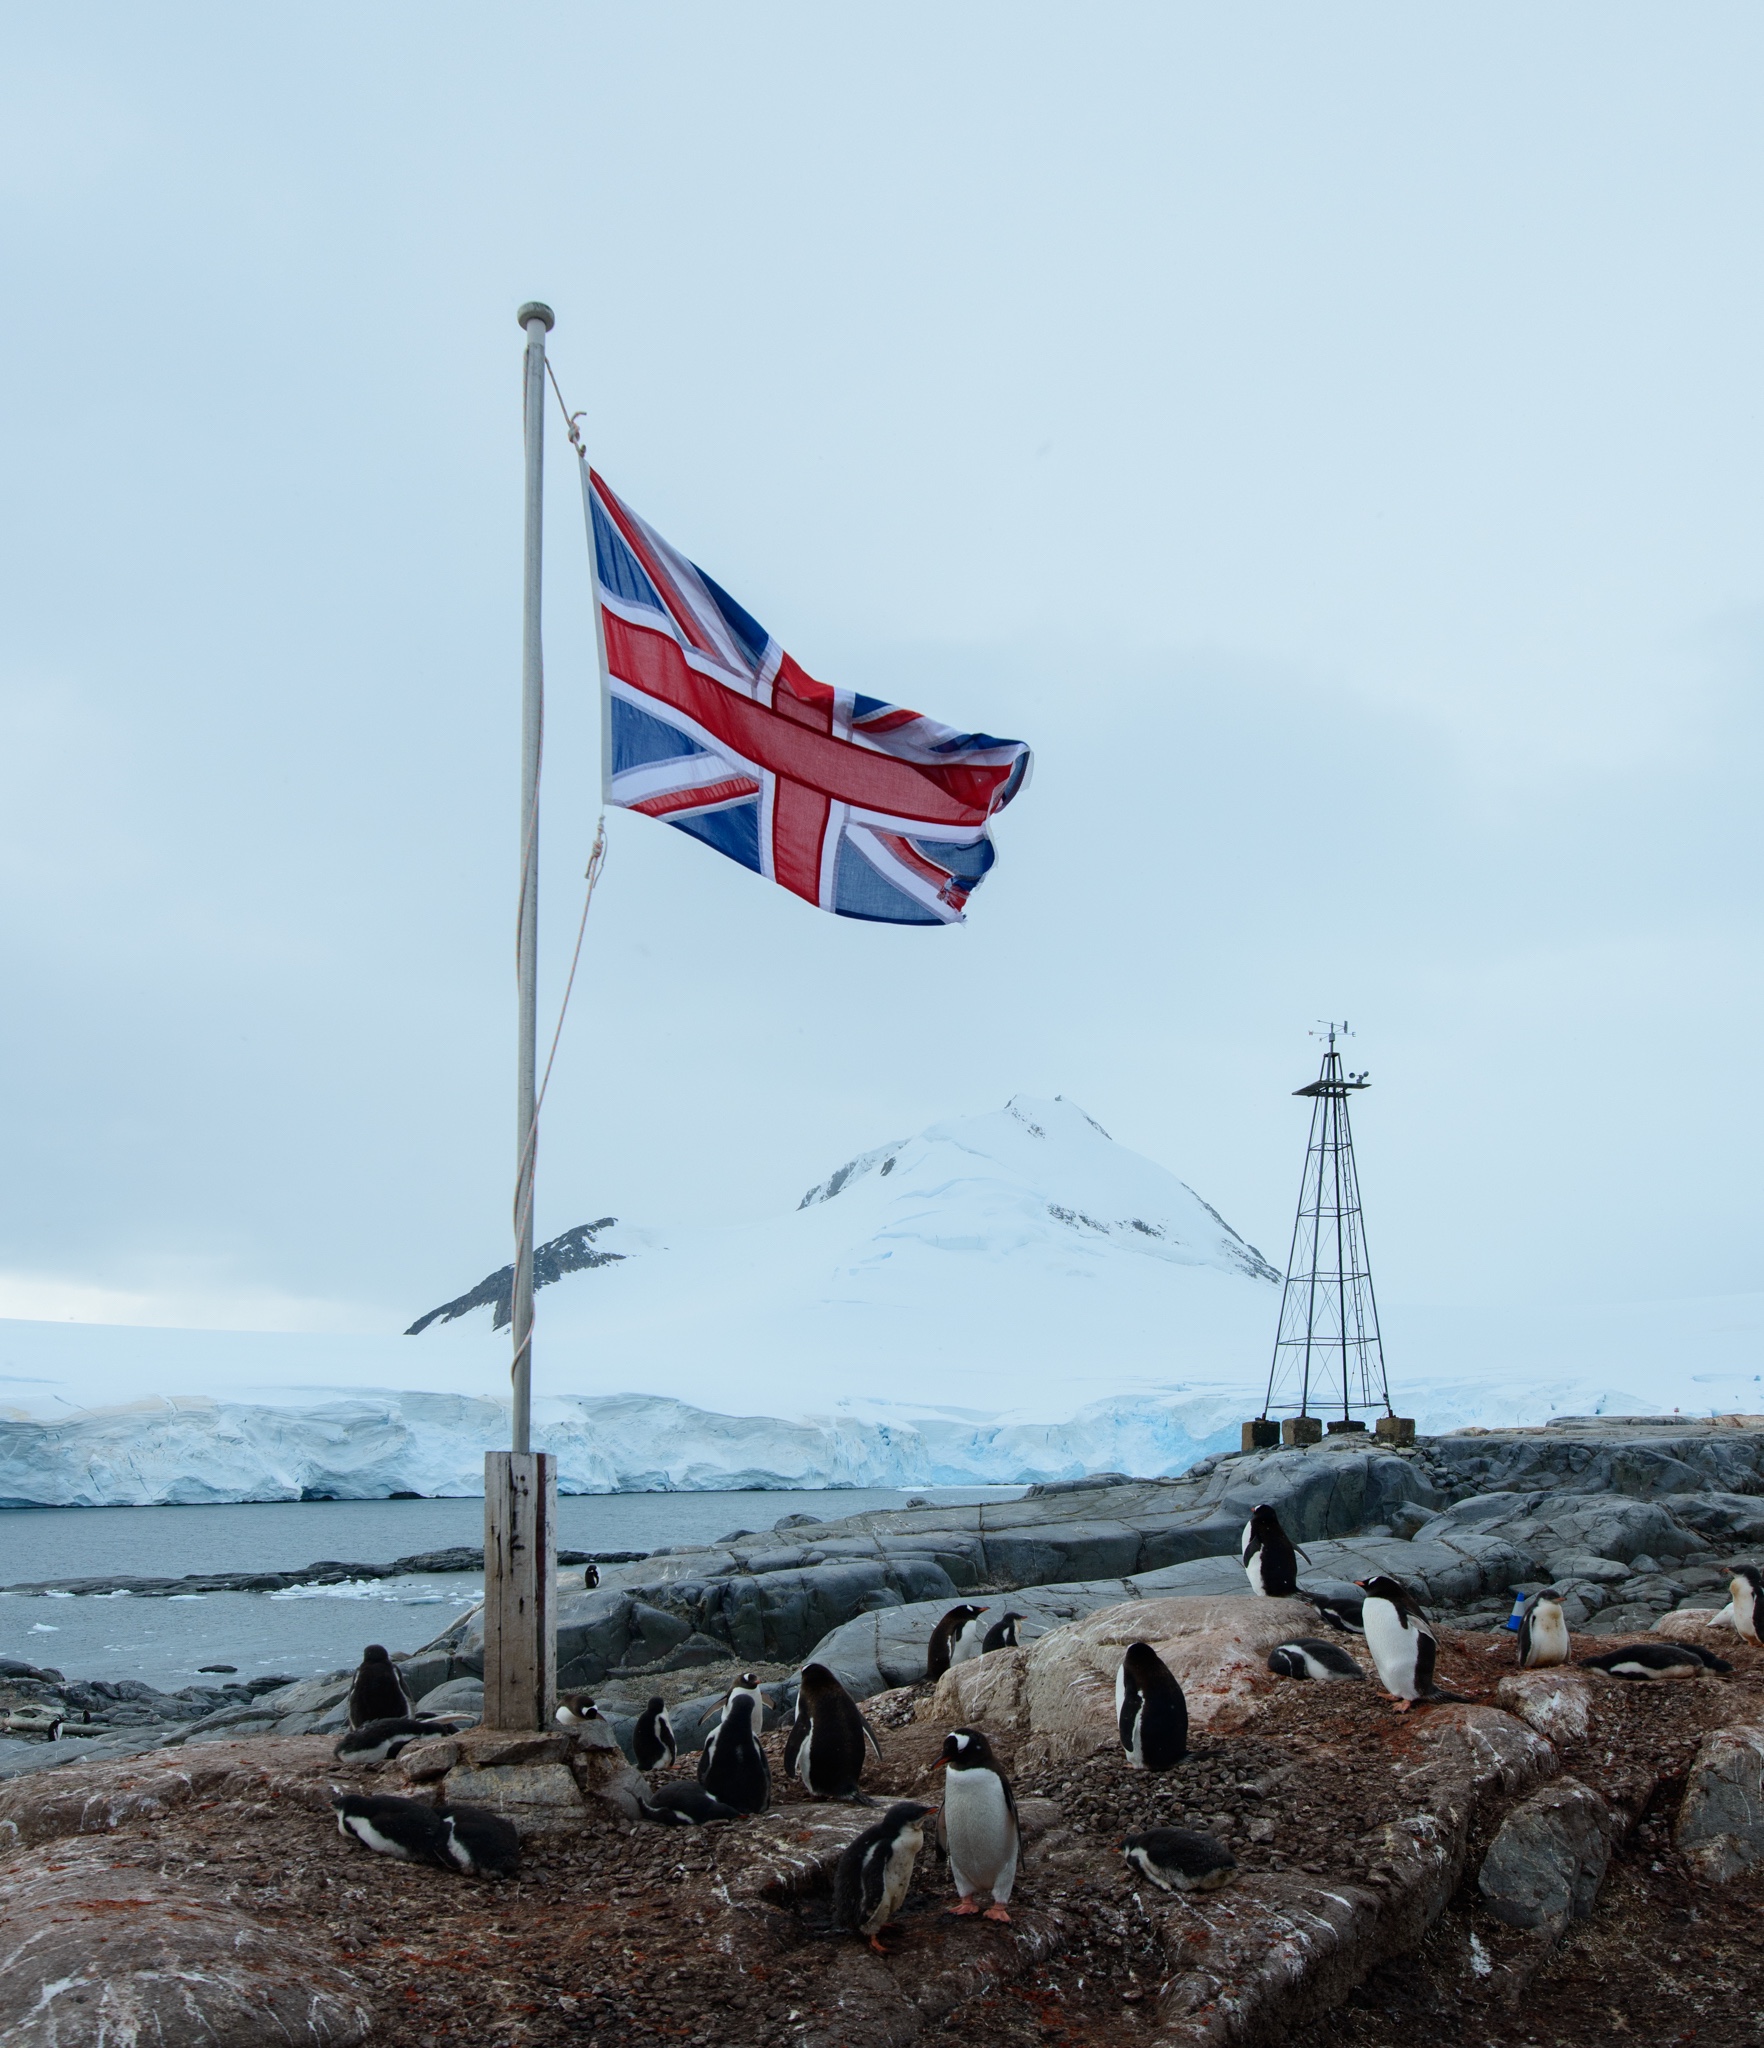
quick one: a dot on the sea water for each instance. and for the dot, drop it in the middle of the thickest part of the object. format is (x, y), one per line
(308, 1629)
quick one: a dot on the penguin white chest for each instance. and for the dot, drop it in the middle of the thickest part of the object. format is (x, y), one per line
(982, 1833)
(1548, 1641)
(1132, 1730)
(802, 1755)
(364, 1831)
(1394, 1648)
(1744, 1608)
(897, 1877)
(1252, 1560)
(968, 1641)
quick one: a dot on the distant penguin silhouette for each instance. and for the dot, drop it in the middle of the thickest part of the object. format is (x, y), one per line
(378, 1692)
(652, 1740)
(977, 1828)
(941, 1652)
(408, 1830)
(733, 1767)
(1656, 1660)
(826, 1746)
(479, 1842)
(681, 1805)
(1312, 1657)
(1150, 1713)
(876, 1872)
(1180, 1860)
(590, 1577)
(1002, 1635)
(1269, 1558)
(1543, 1631)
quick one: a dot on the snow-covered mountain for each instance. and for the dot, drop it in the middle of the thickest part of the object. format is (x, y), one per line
(1002, 1298)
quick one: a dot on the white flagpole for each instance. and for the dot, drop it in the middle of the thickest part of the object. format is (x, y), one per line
(520, 1487)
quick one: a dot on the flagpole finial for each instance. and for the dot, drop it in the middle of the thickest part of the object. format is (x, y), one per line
(536, 309)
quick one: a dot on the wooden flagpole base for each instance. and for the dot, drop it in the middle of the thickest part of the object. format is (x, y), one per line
(520, 1589)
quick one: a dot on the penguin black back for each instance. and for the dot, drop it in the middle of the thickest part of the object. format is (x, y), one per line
(874, 1874)
(826, 1746)
(652, 1740)
(479, 1842)
(734, 1768)
(681, 1805)
(1312, 1657)
(943, 1638)
(408, 1830)
(1150, 1711)
(1002, 1635)
(378, 1692)
(1268, 1555)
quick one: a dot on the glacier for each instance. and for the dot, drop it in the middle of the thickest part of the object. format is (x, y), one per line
(1001, 1299)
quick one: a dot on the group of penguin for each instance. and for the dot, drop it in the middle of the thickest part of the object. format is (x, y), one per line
(1405, 1650)
(469, 1839)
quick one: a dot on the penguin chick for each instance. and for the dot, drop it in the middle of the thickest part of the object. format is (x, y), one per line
(1311, 1657)
(876, 1872)
(1151, 1714)
(1746, 1584)
(1543, 1631)
(680, 1805)
(1339, 1611)
(1269, 1559)
(733, 1766)
(977, 1829)
(377, 1742)
(1403, 1647)
(652, 1740)
(377, 1693)
(479, 1842)
(410, 1830)
(941, 1652)
(1002, 1635)
(1179, 1860)
(826, 1745)
(1656, 1660)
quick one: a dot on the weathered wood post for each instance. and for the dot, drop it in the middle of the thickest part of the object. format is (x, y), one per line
(520, 1577)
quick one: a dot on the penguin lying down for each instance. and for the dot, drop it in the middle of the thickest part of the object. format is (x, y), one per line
(1312, 1657)
(1656, 1660)
(685, 1805)
(377, 1742)
(470, 1839)
(1179, 1860)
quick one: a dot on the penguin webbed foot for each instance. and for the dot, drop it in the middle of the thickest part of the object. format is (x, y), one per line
(997, 1913)
(963, 1907)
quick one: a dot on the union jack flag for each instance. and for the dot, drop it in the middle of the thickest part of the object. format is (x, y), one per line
(850, 803)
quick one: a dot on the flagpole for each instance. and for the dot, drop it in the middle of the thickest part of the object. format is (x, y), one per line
(520, 1487)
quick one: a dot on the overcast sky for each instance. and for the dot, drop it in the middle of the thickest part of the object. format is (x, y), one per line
(1330, 437)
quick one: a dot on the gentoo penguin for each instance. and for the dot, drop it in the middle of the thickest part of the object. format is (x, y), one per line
(977, 1829)
(577, 1709)
(378, 1693)
(652, 1740)
(1150, 1711)
(1002, 1635)
(590, 1577)
(1747, 1587)
(1268, 1555)
(748, 1685)
(680, 1805)
(1342, 1611)
(1403, 1647)
(970, 1640)
(479, 1842)
(377, 1742)
(1543, 1631)
(875, 1873)
(826, 1745)
(733, 1767)
(1311, 1657)
(409, 1829)
(1180, 1861)
(941, 1653)
(1656, 1660)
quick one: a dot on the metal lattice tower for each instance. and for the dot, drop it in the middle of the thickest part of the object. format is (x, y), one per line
(1328, 1347)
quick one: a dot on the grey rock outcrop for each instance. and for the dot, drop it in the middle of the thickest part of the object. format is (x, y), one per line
(1720, 1825)
(1546, 1863)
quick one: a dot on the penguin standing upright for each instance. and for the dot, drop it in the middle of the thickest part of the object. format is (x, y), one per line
(1002, 1635)
(590, 1577)
(970, 1640)
(940, 1653)
(826, 1745)
(378, 1692)
(652, 1740)
(977, 1829)
(1150, 1712)
(876, 1872)
(1403, 1647)
(1746, 1584)
(733, 1767)
(1312, 1657)
(1268, 1556)
(1543, 1631)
